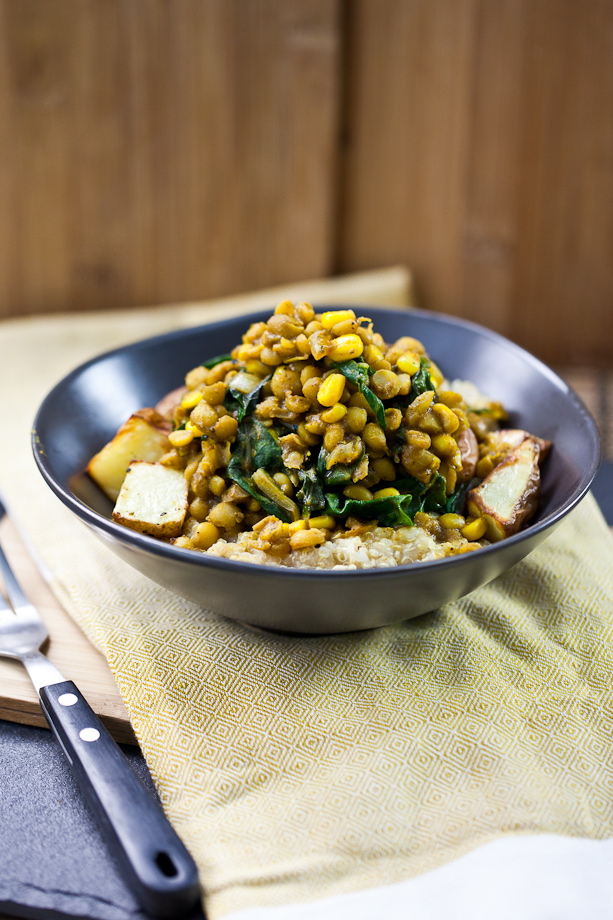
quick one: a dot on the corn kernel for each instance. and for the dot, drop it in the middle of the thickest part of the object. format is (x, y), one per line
(295, 526)
(436, 375)
(373, 355)
(485, 466)
(243, 352)
(256, 367)
(452, 521)
(346, 347)
(181, 438)
(408, 362)
(334, 413)
(189, 426)
(385, 493)
(330, 319)
(322, 521)
(217, 485)
(475, 529)
(191, 399)
(331, 390)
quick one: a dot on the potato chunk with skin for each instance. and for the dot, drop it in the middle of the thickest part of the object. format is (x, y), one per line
(508, 497)
(505, 439)
(143, 437)
(152, 500)
(469, 452)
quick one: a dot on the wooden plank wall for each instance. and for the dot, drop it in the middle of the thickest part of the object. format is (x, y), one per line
(162, 150)
(479, 146)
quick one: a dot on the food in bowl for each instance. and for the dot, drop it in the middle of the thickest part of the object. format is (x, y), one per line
(314, 443)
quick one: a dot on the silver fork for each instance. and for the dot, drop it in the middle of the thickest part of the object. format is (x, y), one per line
(156, 865)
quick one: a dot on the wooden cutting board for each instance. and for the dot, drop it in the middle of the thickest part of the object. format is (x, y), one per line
(68, 648)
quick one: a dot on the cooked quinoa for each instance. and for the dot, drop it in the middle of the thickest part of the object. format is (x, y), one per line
(315, 443)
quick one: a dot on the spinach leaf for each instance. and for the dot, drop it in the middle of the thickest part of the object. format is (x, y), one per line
(211, 362)
(255, 448)
(243, 403)
(357, 373)
(457, 500)
(375, 404)
(340, 474)
(310, 496)
(394, 511)
(435, 497)
(421, 381)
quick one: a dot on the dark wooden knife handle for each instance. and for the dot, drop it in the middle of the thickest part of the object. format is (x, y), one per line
(156, 864)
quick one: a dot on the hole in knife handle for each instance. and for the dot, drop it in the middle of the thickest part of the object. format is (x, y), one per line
(166, 865)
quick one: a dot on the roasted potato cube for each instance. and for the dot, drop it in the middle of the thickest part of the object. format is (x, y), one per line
(506, 439)
(143, 437)
(152, 500)
(508, 497)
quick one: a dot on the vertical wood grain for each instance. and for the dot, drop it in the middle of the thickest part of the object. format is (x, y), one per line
(479, 150)
(158, 150)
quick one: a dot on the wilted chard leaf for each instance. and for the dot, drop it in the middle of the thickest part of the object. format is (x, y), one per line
(358, 373)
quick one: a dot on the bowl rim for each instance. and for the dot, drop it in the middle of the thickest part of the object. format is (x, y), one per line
(149, 544)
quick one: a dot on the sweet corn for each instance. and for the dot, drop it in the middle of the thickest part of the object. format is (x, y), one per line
(331, 390)
(217, 485)
(485, 466)
(191, 399)
(346, 347)
(196, 433)
(385, 493)
(256, 367)
(332, 317)
(322, 521)
(181, 438)
(408, 362)
(334, 413)
(295, 526)
(436, 375)
(474, 529)
(452, 521)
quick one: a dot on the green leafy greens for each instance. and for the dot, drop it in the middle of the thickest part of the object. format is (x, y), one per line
(358, 373)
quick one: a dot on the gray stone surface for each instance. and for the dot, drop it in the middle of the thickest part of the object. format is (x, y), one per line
(53, 860)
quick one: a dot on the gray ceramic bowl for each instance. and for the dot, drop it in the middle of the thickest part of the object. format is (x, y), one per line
(85, 409)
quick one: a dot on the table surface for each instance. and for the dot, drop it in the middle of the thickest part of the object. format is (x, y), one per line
(40, 877)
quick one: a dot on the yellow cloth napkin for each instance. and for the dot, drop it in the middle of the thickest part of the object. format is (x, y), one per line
(300, 768)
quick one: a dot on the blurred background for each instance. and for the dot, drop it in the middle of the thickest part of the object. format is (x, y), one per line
(155, 151)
